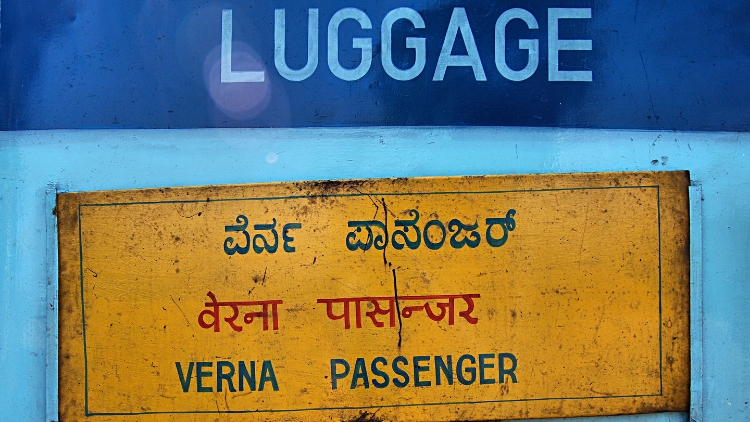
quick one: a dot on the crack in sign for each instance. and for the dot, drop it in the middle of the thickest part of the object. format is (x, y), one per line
(398, 307)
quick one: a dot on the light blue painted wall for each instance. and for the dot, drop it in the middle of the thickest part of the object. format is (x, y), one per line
(105, 159)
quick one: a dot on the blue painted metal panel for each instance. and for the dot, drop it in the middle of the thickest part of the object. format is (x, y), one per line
(654, 64)
(92, 160)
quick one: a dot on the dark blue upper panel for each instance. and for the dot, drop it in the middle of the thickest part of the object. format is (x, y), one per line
(653, 64)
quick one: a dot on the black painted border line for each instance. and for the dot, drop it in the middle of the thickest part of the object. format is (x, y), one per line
(273, 198)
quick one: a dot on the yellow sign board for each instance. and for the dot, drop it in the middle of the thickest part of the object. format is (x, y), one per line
(468, 298)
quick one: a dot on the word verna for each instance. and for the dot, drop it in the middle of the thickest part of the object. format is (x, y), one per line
(459, 22)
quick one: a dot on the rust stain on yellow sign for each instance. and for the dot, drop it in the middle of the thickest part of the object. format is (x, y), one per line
(472, 298)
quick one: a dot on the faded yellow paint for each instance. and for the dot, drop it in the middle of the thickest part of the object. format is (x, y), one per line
(589, 295)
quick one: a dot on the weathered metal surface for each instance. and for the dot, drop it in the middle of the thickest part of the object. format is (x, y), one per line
(549, 296)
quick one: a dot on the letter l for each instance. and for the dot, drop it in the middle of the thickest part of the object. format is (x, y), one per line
(227, 75)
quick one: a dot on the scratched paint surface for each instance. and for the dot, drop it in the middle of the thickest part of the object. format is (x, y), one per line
(548, 296)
